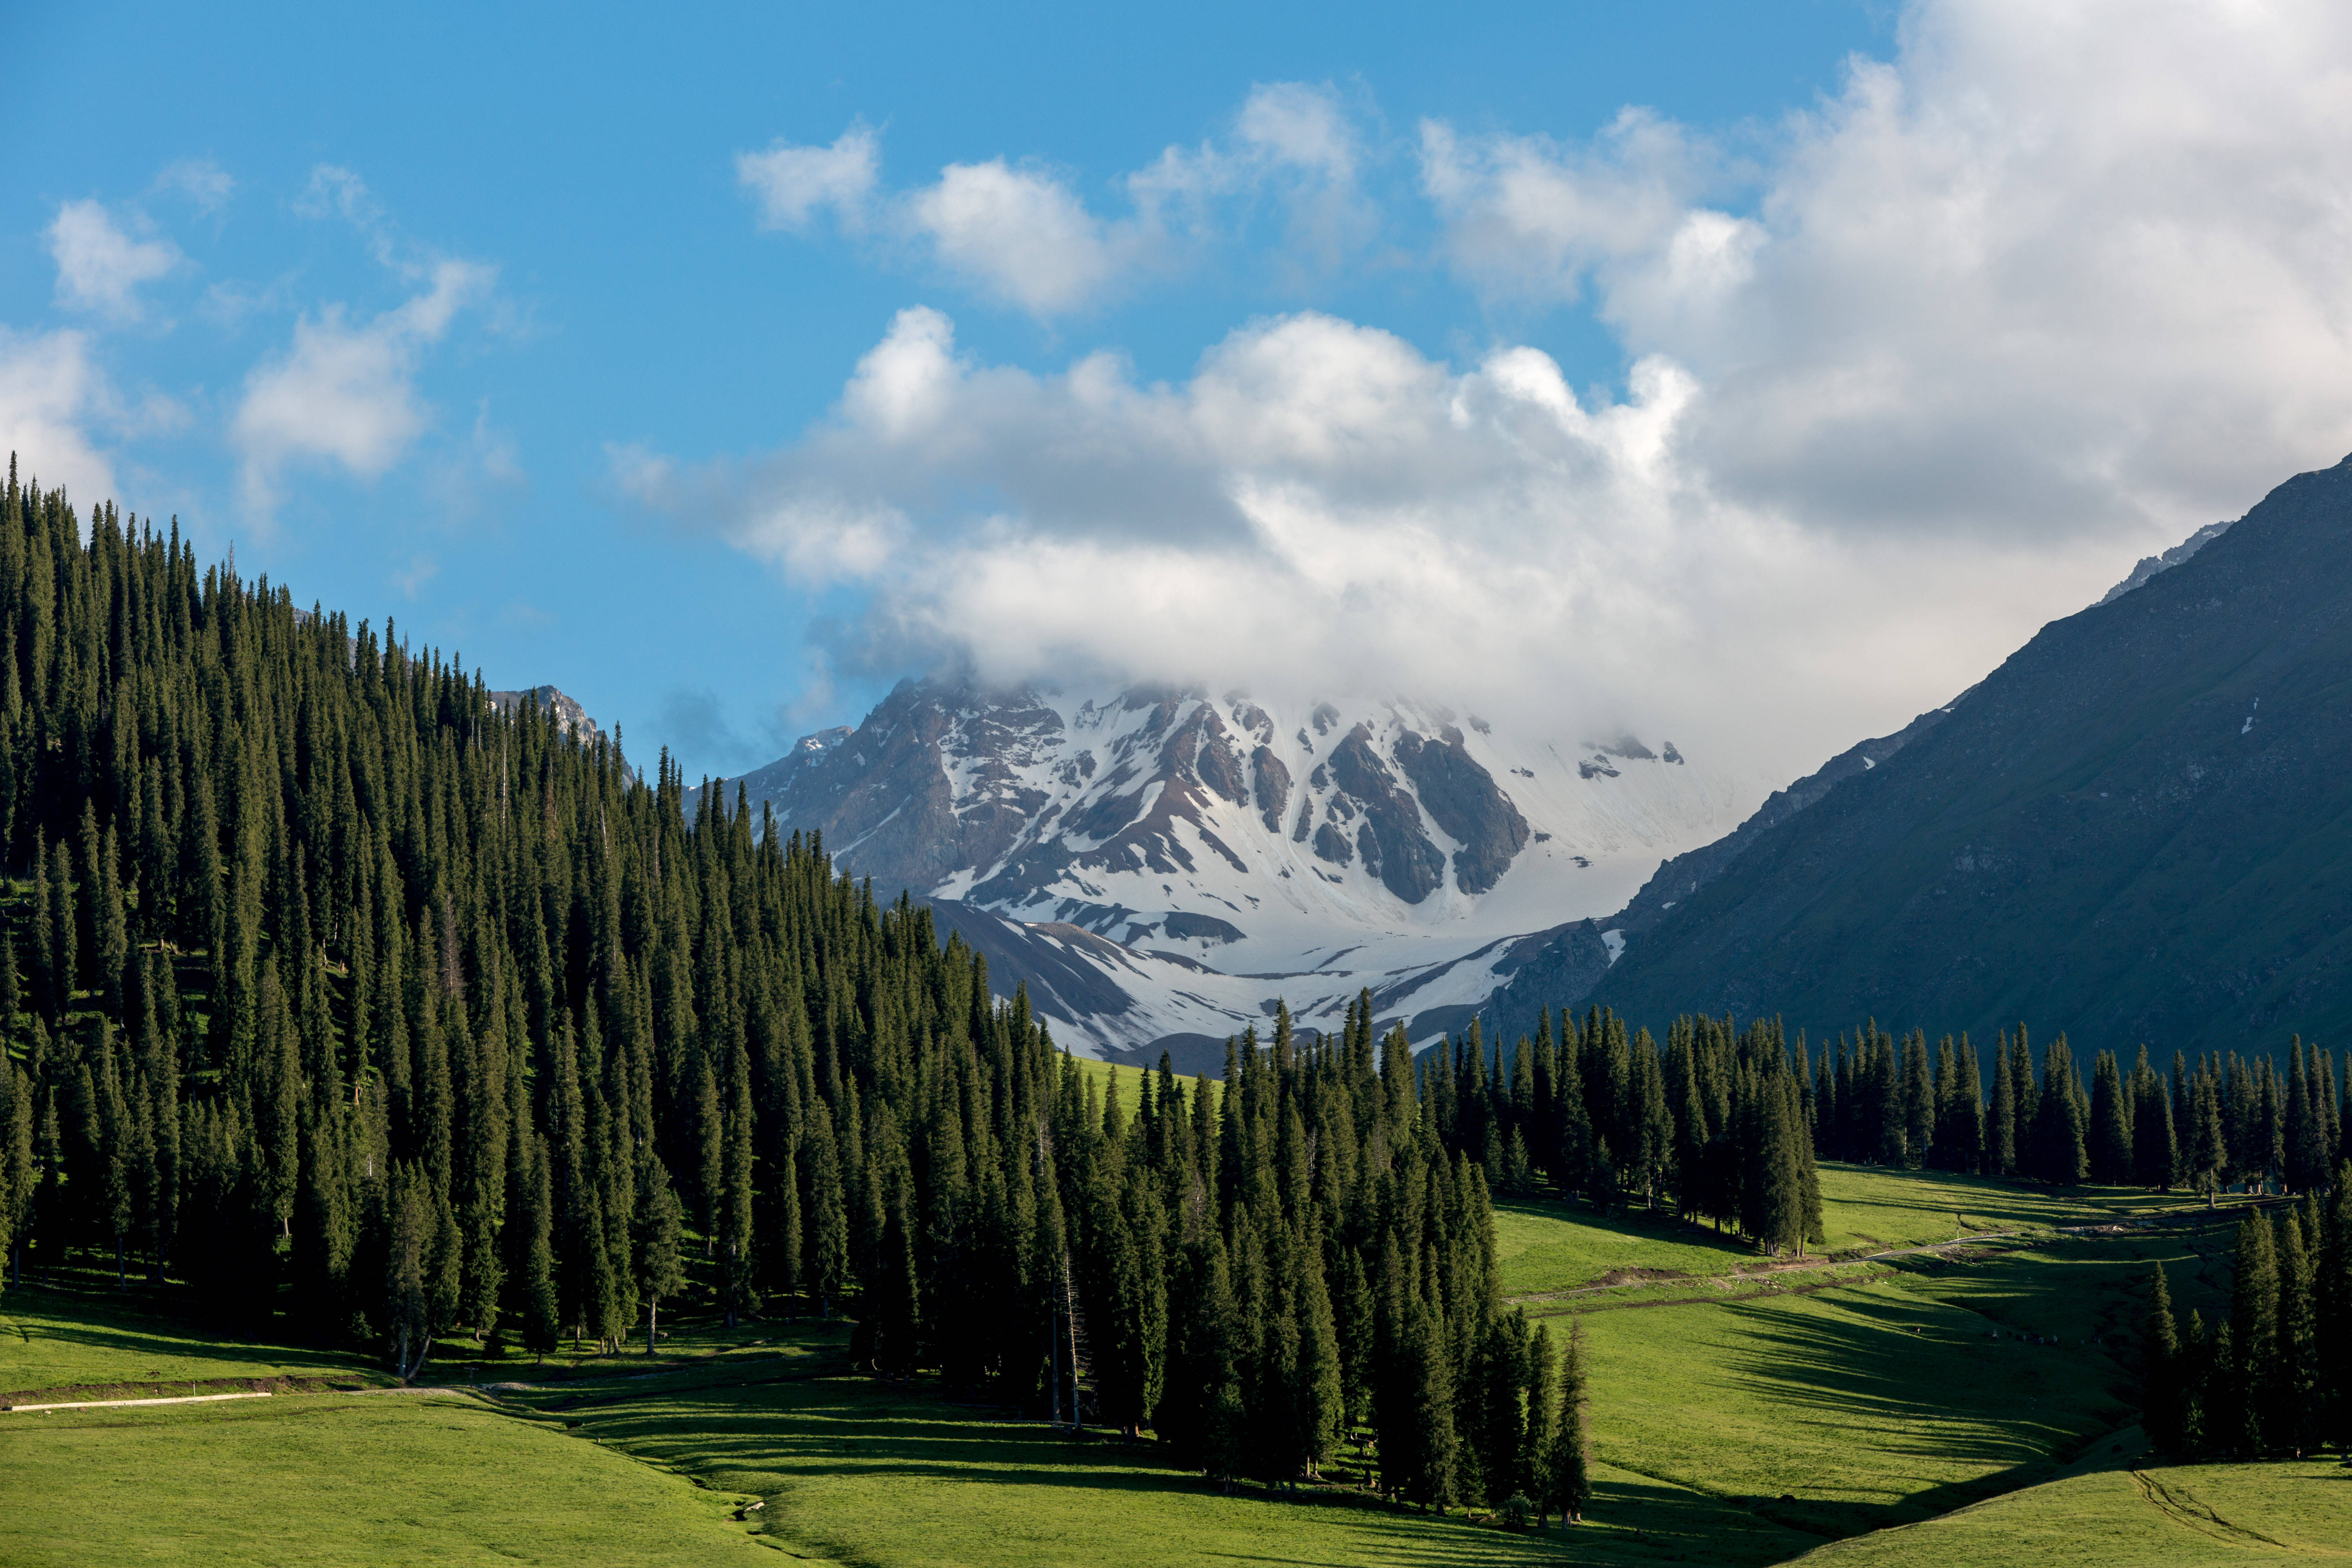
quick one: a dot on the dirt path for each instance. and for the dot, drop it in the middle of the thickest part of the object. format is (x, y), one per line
(2184, 1507)
(118, 1403)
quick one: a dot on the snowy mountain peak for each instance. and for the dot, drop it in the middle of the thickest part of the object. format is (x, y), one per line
(1190, 859)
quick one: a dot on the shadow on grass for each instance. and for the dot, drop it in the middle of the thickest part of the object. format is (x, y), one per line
(793, 1437)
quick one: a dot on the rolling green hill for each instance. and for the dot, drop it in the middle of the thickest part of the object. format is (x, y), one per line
(2181, 1516)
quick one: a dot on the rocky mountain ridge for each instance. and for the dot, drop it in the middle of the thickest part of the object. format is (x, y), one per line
(1160, 864)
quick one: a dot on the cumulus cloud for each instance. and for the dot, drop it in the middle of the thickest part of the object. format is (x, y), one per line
(1020, 234)
(100, 265)
(2050, 269)
(794, 184)
(346, 392)
(1910, 374)
(50, 394)
(1319, 508)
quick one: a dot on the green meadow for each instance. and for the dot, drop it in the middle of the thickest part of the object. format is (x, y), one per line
(84, 1339)
(326, 1480)
(2185, 1515)
(1853, 1408)
(1545, 1245)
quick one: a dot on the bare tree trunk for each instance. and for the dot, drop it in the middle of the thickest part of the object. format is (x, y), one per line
(653, 1315)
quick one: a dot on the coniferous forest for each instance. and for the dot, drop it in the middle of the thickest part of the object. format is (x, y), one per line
(337, 997)
(2274, 1375)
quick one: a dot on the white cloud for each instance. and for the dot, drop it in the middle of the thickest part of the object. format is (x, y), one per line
(793, 182)
(1022, 236)
(100, 266)
(2054, 271)
(1911, 373)
(1322, 507)
(203, 182)
(50, 394)
(346, 392)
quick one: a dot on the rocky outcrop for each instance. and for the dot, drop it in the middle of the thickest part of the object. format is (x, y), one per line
(1463, 798)
(568, 713)
(1273, 780)
(1390, 838)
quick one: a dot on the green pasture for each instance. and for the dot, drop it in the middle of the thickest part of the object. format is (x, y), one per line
(1130, 1081)
(2185, 1515)
(1872, 1208)
(1546, 1246)
(853, 1470)
(1936, 1383)
(329, 1480)
(56, 1339)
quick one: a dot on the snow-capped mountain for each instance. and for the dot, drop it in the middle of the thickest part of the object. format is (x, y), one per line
(1161, 865)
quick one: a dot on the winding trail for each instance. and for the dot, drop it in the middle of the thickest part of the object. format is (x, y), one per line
(118, 1403)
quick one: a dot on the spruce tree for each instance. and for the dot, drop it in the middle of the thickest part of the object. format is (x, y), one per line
(2160, 1370)
(2253, 1336)
(2294, 1418)
(1568, 1475)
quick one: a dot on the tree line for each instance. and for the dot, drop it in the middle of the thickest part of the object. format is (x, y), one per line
(342, 1004)
(2274, 1377)
(1725, 1123)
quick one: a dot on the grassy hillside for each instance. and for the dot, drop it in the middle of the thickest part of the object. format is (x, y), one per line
(856, 1471)
(62, 1340)
(1837, 1405)
(1546, 1246)
(2189, 1515)
(330, 1481)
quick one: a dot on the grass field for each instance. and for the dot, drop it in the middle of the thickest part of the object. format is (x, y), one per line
(2189, 1515)
(1546, 1246)
(59, 1339)
(1131, 1081)
(1885, 1403)
(325, 1481)
(857, 1471)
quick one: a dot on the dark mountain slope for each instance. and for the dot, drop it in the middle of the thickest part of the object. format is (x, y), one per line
(2138, 827)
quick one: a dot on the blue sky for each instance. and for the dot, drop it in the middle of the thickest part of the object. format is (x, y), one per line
(502, 325)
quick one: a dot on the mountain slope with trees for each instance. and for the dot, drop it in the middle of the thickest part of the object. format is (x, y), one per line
(356, 1003)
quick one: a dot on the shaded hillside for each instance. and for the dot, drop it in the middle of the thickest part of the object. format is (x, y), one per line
(1572, 963)
(2138, 827)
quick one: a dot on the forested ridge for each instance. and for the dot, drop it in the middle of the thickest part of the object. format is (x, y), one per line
(335, 993)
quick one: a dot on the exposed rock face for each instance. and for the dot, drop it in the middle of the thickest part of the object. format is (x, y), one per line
(1273, 781)
(570, 714)
(1462, 798)
(1158, 864)
(2149, 565)
(1390, 838)
(767, 782)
